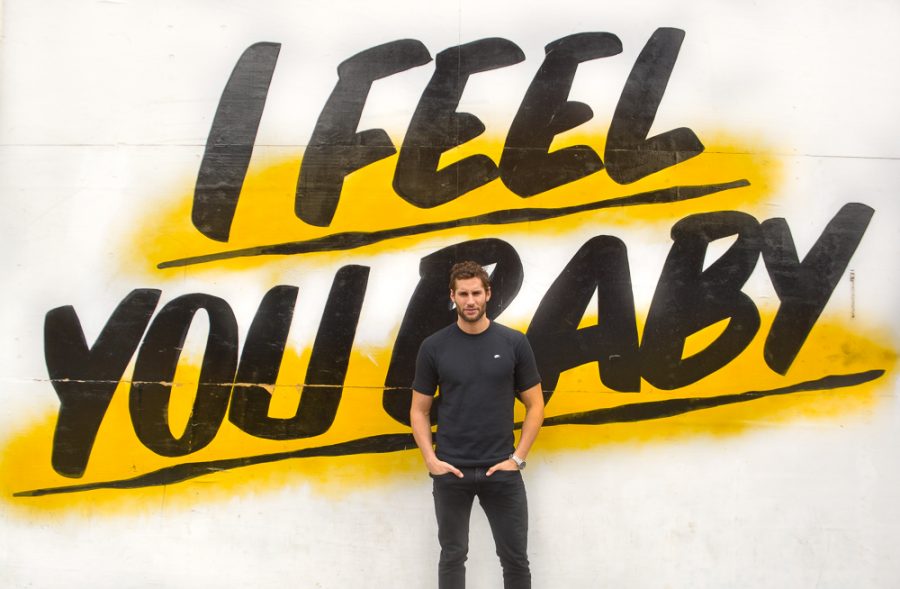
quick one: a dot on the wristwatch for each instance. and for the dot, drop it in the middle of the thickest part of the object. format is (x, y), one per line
(519, 462)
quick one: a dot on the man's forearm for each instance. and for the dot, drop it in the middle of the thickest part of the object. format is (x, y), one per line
(421, 429)
(533, 399)
(530, 428)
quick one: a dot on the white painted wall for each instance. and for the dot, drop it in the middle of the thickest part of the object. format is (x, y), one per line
(104, 110)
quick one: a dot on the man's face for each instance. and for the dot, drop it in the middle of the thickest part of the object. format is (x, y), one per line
(470, 298)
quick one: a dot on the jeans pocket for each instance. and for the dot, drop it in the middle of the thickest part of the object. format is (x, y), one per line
(508, 477)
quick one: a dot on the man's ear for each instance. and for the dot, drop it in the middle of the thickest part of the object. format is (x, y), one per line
(487, 294)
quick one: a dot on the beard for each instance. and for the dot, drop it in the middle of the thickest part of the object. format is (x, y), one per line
(473, 319)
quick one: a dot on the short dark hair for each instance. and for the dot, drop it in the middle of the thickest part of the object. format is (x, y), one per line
(466, 270)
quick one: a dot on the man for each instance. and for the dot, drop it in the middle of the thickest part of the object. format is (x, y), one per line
(480, 367)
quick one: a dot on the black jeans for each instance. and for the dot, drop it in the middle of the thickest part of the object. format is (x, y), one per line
(502, 496)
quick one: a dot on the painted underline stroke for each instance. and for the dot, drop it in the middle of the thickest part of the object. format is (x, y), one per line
(385, 443)
(355, 239)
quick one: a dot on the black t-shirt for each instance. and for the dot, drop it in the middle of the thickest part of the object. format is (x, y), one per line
(479, 377)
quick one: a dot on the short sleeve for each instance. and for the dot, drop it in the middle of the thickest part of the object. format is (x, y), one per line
(426, 378)
(526, 366)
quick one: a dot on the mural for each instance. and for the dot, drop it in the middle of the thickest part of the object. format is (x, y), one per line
(221, 274)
